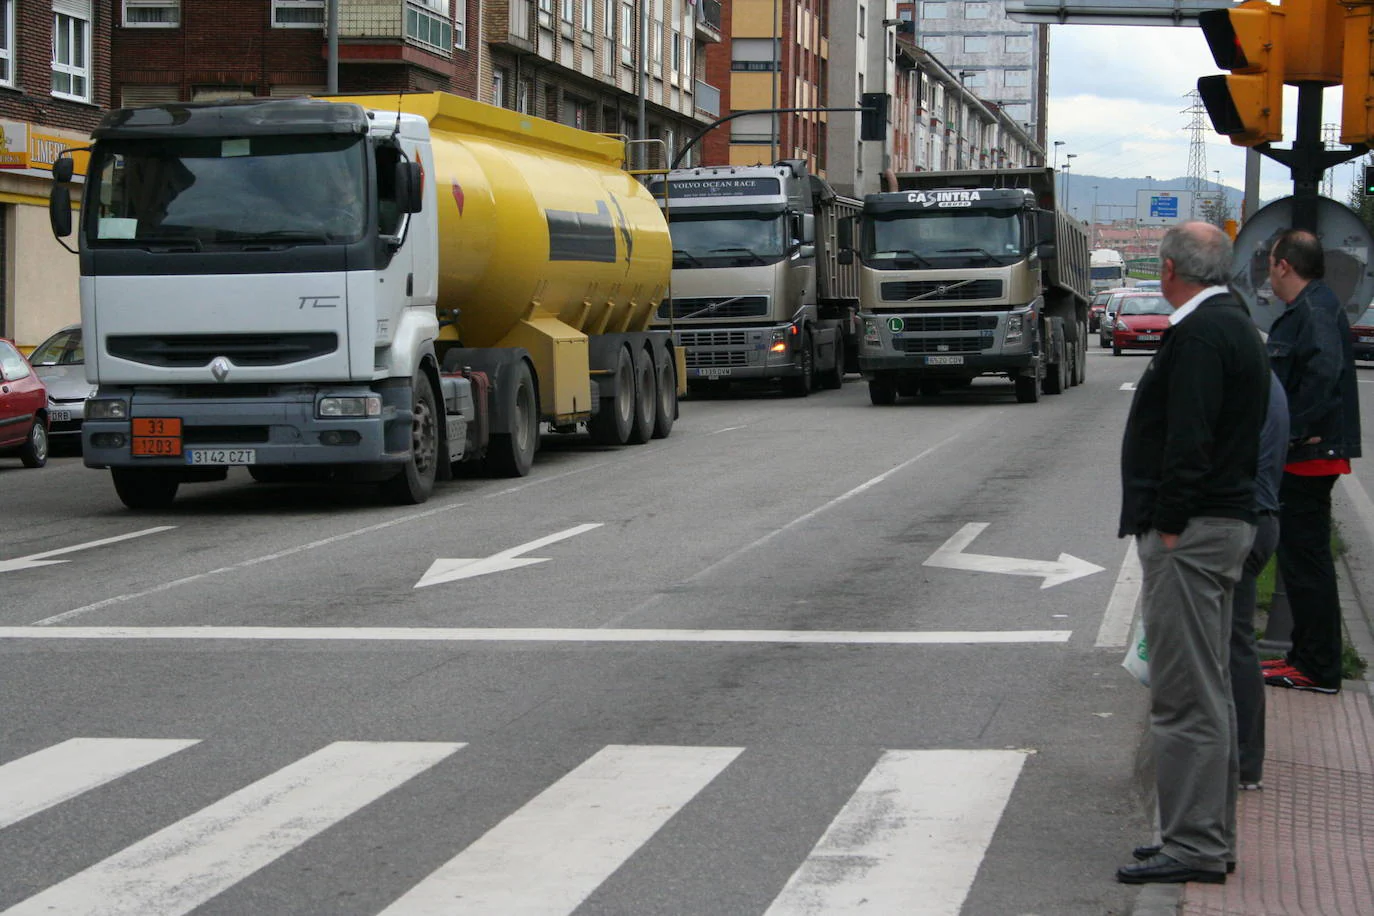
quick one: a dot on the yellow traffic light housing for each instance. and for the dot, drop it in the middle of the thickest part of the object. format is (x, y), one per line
(1313, 36)
(1357, 75)
(1248, 40)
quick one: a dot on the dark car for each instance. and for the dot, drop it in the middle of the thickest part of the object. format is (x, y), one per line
(23, 409)
(1362, 335)
(60, 362)
(1140, 322)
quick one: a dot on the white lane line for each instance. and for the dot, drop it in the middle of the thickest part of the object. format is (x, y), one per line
(180, 867)
(728, 429)
(1359, 498)
(1116, 622)
(549, 856)
(540, 481)
(911, 838)
(55, 774)
(42, 559)
(246, 564)
(539, 634)
(1127, 386)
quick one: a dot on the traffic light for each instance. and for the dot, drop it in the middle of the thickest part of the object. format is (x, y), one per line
(873, 119)
(1248, 40)
(1369, 180)
(1357, 75)
(1313, 36)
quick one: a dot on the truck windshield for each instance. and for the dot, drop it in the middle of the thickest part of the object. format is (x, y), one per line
(205, 192)
(726, 241)
(942, 238)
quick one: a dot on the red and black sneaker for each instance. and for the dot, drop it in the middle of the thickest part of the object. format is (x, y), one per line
(1294, 679)
(1269, 663)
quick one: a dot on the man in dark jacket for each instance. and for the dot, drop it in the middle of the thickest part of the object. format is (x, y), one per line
(1313, 356)
(1188, 463)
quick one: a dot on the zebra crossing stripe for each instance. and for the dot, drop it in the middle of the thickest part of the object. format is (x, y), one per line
(550, 855)
(51, 776)
(177, 869)
(911, 838)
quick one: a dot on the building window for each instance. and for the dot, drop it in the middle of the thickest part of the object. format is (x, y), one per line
(460, 24)
(1016, 78)
(975, 10)
(71, 50)
(974, 79)
(498, 87)
(1018, 43)
(7, 42)
(152, 14)
(935, 10)
(863, 15)
(143, 96)
(752, 55)
(567, 10)
(1018, 112)
(588, 16)
(656, 43)
(627, 33)
(523, 90)
(297, 14)
(974, 44)
(935, 44)
(608, 18)
(677, 53)
(428, 24)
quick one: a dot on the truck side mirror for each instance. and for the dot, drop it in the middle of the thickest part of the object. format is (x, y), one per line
(808, 228)
(60, 210)
(410, 187)
(1044, 225)
(807, 250)
(63, 169)
(1045, 251)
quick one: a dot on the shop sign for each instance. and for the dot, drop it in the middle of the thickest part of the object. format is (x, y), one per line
(14, 145)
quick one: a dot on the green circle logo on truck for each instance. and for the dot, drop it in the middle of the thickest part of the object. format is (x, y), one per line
(895, 325)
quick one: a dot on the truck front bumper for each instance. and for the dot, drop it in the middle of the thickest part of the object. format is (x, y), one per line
(969, 363)
(281, 430)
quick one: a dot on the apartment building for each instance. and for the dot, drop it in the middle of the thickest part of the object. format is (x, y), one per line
(1004, 61)
(54, 82)
(863, 58)
(774, 54)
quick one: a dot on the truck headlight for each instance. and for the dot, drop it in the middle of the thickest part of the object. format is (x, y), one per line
(1016, 327)
(336, 407)
(870, 332)
(107, 409)
(779, 341)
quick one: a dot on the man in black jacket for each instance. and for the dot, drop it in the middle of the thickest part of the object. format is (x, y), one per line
(1188, 463)
(1313, 356)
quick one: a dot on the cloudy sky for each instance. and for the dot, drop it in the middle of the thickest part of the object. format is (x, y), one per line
(1117, 97)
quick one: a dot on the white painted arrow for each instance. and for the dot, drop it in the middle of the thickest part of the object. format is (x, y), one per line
(951, 556)
(450, 570)
(41, 559)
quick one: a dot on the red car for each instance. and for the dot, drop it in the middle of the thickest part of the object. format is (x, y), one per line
(23, 409)
(1140, 322)
(1362, 335)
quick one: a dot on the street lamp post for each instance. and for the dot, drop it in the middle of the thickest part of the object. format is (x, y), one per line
(1068, 161)
(1093, 234)
(1057, 144)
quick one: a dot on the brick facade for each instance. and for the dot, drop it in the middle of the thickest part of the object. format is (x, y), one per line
(31, 99)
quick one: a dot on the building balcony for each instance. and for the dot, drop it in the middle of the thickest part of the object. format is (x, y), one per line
(707, 99)
(708, 20)
(396, 31)
(515, 26)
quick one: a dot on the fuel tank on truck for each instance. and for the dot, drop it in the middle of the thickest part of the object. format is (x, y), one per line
(537, 217)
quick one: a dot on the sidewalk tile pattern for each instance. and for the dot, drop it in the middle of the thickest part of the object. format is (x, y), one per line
(1307, 839)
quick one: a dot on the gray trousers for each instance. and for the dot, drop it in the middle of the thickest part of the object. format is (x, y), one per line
(1247, 680)
(1186, 607)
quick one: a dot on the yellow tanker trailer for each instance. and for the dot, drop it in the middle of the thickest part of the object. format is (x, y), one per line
(375, 287)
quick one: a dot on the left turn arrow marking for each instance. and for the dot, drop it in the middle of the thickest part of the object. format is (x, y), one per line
(442, 570)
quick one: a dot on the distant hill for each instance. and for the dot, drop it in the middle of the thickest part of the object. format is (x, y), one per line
(1116, 197)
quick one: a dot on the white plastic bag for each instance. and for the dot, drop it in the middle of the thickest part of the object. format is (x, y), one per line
(1137, 660)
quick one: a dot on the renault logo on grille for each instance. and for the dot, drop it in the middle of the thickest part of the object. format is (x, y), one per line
(219, 368)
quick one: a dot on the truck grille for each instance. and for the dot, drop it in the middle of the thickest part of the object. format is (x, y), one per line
(691, 339)
(941, 290)
(732, 307)
(942, 344)
(226, 435)
(706, 359)
(193, 350)
(949, 322)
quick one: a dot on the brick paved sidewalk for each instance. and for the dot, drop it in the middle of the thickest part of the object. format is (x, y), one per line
(1307, 839)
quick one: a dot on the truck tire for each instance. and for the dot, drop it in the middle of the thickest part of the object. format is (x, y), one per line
(512, 454)
(34, 452)
(611, 424)
(414, 484)
(145, 488)
(1055, 372)
(1081, 364)
(1027, 389)
(882, 392)
(799, 386)
(665, 405)
(646, 397)
(833, 380)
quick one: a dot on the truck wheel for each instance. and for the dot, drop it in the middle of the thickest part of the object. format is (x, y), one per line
(145, 488)
(1055, 372)
(512, 454)
(34, 452)
(833, 380)
(665, 405)
(646, 398)
(415, 483)
(1081, 364)
(1027, 389)
(611, 424)
(799, 386)
(882, 392)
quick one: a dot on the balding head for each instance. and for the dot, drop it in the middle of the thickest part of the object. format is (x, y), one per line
(1192, 257)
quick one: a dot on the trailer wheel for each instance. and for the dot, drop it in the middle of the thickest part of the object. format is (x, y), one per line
(34, 452)
(414, 484)
(1027, 389)
(799, 386)
(665, 405)
(512, 454)
(1081, 365)
(882, 392)
(145, 488)
(833, 380)
(1055, 372)
(646, 398)
(612, 423)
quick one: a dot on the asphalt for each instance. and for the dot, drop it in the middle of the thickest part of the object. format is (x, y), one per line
(1307, 838)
